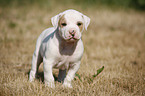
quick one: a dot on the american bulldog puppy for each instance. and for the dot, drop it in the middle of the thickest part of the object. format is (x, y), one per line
(60, 47)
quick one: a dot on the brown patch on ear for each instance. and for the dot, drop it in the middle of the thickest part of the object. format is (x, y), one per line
(62, 21)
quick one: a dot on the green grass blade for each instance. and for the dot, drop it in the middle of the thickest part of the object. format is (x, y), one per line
(98, 71)
(78, 76)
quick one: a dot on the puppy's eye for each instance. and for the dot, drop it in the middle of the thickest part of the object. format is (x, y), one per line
(79, 24)
(63, 24)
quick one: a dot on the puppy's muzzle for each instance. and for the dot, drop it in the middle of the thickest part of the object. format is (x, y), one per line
(72, 32)
(72, 35)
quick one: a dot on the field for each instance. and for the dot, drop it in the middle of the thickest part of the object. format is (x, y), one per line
(115, 39)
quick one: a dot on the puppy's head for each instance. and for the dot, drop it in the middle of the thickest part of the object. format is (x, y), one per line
(71, 24)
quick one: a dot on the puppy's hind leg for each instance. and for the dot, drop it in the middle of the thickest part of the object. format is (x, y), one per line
(61, 75)
(36, 61)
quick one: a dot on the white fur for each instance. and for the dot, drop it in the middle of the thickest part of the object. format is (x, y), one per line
(56, 49)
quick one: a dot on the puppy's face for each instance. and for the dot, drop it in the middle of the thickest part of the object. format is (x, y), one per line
(71, 25)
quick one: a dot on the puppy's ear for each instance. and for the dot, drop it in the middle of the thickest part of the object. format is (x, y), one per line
(55, 19)
(86, 21)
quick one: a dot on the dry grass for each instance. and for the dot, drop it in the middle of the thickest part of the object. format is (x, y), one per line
(115, 40)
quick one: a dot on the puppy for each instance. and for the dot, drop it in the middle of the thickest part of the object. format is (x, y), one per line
(60, 47)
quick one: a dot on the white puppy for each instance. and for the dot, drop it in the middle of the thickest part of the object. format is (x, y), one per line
(60, 47)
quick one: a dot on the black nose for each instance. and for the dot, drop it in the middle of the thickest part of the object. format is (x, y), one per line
(72, 32)
(72, 35)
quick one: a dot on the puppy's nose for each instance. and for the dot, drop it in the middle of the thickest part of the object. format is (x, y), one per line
(72, 32)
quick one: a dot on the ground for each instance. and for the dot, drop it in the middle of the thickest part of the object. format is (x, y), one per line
(115, 39)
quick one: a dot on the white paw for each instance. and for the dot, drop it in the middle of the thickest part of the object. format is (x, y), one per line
(67, 84)
(31, 76)
(31, 79)
(50, 84)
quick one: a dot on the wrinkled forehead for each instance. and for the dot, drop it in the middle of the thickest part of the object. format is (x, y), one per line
(73, 17)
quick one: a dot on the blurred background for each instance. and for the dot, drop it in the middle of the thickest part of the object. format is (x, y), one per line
(135, 4)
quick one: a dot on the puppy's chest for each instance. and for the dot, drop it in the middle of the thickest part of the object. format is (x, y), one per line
(64, 62)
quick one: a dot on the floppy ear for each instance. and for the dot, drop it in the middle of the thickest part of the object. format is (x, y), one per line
(54, 20)
(86, 21)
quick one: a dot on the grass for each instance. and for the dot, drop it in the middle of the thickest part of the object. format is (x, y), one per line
(115, 39)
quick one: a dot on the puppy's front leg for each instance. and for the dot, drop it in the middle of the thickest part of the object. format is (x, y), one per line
(48, 76)
(71, 74)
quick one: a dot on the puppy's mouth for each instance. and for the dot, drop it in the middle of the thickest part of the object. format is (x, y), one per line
(72, 39)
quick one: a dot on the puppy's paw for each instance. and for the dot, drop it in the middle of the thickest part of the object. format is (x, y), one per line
(31, 79)
(67, 84)
(50, 84)
(31, 76)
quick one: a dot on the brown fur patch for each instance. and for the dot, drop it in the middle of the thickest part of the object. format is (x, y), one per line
(61, 21)
(80, 26)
